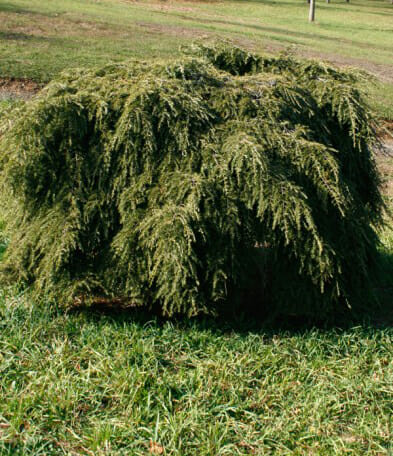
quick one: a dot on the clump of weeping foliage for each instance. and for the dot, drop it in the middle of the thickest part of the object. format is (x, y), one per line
(176, 184)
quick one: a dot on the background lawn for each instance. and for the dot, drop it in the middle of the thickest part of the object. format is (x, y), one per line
(39, 38)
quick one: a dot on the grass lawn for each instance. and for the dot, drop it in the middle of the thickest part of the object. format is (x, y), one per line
(101, 384)
(40, 38)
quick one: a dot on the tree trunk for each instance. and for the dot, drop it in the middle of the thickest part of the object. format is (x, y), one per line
(328, 1)
(311, 16)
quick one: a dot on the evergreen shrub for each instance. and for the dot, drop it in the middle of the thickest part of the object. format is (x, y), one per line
(175, 184)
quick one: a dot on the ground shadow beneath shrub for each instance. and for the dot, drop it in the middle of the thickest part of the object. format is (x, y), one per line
(246, 319)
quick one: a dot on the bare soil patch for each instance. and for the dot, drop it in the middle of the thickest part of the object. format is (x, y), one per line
(174, 30)
(18, 88)
(386, 131)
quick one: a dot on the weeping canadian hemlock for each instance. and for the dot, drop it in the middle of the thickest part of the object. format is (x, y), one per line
(174, 184)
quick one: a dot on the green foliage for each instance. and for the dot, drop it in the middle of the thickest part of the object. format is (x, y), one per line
(174, 184)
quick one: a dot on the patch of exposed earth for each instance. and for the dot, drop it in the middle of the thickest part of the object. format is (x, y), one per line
(173, 30)
(11, 89)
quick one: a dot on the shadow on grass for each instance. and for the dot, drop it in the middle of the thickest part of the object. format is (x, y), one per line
(248, 320)
(242, 318)
(12, 8)
(18, 36)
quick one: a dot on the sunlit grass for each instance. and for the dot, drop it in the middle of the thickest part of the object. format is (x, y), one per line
(123, 384)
